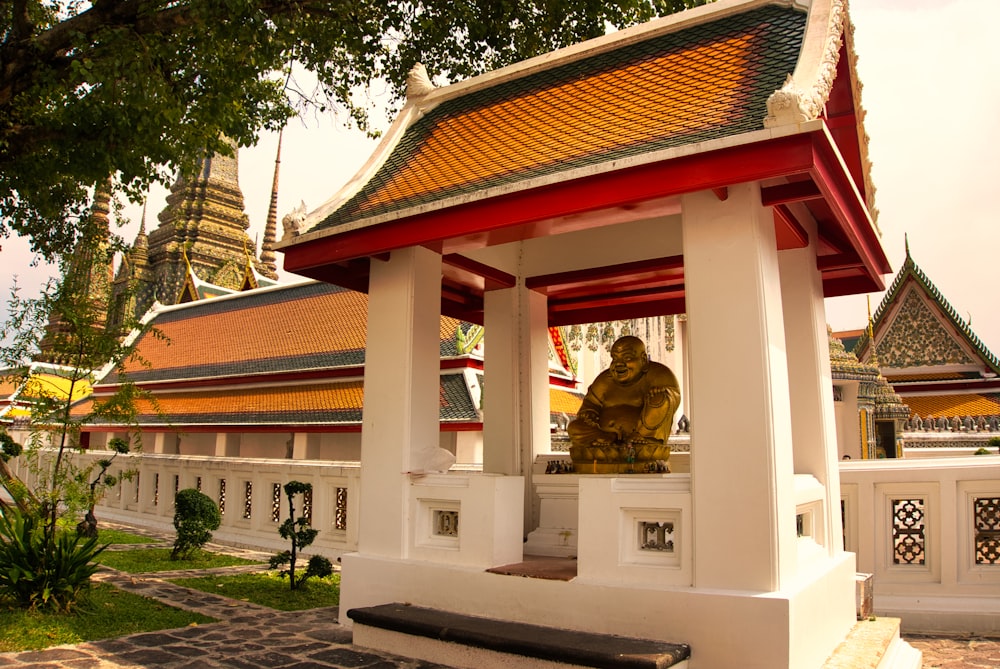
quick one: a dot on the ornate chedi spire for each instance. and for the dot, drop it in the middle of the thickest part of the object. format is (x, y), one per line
(268, 260)
(85, 291)
(204, 215)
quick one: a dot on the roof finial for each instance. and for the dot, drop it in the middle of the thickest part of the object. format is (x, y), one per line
(906, 243)
(418, 83)
(268, 260)
(873, 359)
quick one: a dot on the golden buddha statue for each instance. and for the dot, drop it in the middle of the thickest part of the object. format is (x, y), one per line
(624, 421)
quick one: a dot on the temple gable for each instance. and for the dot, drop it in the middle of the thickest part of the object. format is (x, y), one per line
(916, 337)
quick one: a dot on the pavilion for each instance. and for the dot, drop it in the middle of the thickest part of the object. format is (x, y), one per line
(713, 163)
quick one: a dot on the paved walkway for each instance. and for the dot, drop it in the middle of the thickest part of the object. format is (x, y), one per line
(249, 636)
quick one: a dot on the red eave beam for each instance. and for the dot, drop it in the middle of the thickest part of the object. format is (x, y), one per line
(833, 180)
(782, 156)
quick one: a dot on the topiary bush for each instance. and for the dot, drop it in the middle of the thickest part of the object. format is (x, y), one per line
(297, 531)
(195, 518)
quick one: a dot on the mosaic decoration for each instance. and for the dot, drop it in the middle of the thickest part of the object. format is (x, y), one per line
(908, 528)
(340, 512)
(986, 514)
(658, 537)
(656, 332)
(248, 500)
(917, 338)
(222, 497)
(275, 502)
(445, 523)
(307, 505)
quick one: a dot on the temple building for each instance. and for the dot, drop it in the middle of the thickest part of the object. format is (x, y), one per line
(933, 360)
(250, 375)
(201, 247)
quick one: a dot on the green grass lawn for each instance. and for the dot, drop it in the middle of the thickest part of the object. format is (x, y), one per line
(269, 589)
(147, 560)
(106, 612)
(109, 536)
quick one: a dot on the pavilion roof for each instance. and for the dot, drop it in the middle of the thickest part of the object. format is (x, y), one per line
(607, 131)
(708, 81)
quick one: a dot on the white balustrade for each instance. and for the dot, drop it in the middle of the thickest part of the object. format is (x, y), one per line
(928, 529)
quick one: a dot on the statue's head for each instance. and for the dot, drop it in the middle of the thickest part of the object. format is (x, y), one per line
(628, 360)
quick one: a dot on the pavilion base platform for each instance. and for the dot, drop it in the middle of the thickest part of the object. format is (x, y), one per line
(789, 628)
(473, 642)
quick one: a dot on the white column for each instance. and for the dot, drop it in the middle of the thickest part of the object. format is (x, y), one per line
(516, 393)
(814, 430)
(300, 446)
(741, 460)
(399, 432)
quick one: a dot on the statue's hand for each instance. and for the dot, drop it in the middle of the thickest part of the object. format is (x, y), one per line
(590, 417)
(657, 396)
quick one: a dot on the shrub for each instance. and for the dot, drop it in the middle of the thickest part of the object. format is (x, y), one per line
(297, 531)
(38, 573)
(195, 517)
(994, 442)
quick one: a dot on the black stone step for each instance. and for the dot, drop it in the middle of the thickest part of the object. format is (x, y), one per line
(604, 651)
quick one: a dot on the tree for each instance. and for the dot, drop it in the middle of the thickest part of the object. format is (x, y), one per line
(68, 322)
(138, 89)
(298, 531)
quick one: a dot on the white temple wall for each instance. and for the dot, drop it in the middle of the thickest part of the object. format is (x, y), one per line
(846, 413)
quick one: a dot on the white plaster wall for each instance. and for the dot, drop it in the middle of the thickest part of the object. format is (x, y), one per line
(468, 446)
(192, 443)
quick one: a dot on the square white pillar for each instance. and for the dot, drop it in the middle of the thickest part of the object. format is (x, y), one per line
(400, 421)
(814, 430)
(516, 393)
(741, 461)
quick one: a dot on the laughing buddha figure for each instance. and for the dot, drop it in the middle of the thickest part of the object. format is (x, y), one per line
(624, 421)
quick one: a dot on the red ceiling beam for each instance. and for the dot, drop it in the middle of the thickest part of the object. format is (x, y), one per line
(796, 191)
(788, 232)
(550, 283)
(494, 279)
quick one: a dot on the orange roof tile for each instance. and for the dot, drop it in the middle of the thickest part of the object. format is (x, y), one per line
(562, 401)
(707, 81)
(947, 406)
(305, 326)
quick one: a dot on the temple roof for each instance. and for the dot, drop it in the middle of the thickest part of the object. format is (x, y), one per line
(920, 334)
(297, 328)
(291, 355)
(613, 130)
(948, 406)
(328, 404)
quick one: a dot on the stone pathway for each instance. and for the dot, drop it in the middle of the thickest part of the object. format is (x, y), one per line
(249, 636)
(957, 652)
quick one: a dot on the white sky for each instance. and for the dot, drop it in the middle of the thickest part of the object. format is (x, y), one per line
(933, 102)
